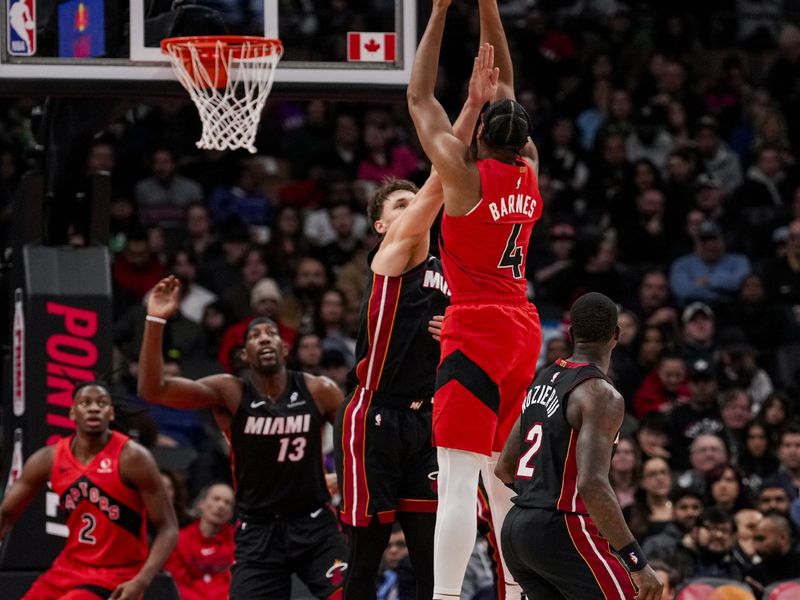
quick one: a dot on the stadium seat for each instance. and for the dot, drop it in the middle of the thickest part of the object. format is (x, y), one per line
(714, 588)
(783, 590)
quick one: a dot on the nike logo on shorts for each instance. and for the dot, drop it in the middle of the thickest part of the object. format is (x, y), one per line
(315, 514)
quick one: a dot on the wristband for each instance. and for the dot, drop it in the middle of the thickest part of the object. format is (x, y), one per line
(153, 319)
(633, 556)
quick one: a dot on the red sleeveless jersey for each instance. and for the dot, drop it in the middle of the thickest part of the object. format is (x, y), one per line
(106, 519)
(484, 252)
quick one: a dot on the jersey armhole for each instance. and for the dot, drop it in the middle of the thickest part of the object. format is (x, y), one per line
(121, 479)
(300, 379)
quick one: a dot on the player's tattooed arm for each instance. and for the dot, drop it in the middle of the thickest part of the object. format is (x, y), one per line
(509, 457)
(327, 395)
(596, 409)
(138, 468)
(33, 478)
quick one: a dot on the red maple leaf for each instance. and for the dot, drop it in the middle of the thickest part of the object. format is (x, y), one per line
(372, 46)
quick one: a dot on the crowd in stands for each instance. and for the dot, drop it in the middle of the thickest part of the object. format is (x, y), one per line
(668, 167)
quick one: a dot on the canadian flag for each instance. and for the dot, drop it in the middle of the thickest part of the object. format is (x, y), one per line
(371, 47)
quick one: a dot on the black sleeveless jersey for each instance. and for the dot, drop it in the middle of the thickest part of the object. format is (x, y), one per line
(547, 471)
(396, 355)
(276, 451)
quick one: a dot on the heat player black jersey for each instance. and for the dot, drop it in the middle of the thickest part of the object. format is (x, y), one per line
(547, 471)
(276, 451)
(395, 353)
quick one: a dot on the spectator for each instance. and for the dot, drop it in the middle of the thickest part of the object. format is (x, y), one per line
(553, 259)
(783, 273)
(718, 159)
(164, 196)
(716, 541)
(624, 470)
(686, 508)
(135, 270)
(648, 140)
(340, 250)
(774, 413)
(764, 322)
(662, 389)
(287, 244)
(710, 274)
(384, 157)
(757, 459)
(201, 561)
(343, 155)
(789, 456)
(736, 412)
(306, 353)
(706, 453)
(176, 492)
(651, 510)
(644, 241)
(196, 297)
(252, 269)
(302, 303)
(699, 416)
(739, 367)
(331, 324)
(773, 544)
(726, 489)
(746, 522)
(395, 553)
(335, 366)
(697, 340)
(624, 370)
(654, 304)
(246, 199)
(221, 273)
(201, 241)
(653, 437)
(773, 498)
(669, 576)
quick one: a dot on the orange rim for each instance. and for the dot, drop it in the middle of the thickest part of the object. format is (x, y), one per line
(207, 45)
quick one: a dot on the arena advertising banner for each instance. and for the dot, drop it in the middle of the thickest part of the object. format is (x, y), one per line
(61, 335)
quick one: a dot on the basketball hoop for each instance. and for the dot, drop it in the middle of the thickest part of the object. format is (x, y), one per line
(229, 78)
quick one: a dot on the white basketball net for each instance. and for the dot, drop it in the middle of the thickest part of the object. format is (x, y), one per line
(230, 114)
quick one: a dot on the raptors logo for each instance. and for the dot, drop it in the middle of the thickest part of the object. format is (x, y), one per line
(336, 573)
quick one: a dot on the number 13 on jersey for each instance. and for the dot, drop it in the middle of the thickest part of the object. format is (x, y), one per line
(534, 437)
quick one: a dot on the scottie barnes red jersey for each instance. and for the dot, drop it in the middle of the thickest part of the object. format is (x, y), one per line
(106, 518)
(484, 251)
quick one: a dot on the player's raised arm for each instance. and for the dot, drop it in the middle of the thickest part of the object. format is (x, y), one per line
(448, 154)
(406, 243)
(33, 478)
(176, 392)
(599, 409)
(492, 32)
(139, 469)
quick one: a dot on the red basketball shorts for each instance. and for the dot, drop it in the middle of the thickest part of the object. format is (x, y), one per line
(75, 581)
(489, 354)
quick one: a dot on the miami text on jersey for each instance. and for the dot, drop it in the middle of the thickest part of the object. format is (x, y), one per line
(277, 425)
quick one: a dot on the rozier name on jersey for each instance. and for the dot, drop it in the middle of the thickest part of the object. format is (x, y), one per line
(522, 204)
(435, 281)
(544, 395)
(85, 491)
(277, 425)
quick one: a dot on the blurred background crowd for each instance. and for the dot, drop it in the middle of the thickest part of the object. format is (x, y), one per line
(667, 140)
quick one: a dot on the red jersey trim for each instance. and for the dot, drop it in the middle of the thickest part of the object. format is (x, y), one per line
(568, 364)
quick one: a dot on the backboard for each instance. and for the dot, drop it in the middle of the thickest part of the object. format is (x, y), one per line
(78, 45)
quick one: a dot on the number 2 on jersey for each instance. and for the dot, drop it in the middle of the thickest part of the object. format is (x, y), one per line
(524, 470)
(85, 534)
(512, 255)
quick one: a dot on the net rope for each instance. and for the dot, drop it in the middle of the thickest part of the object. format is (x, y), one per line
(230, 115)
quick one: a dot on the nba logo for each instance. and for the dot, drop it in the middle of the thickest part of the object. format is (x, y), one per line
(21, 30)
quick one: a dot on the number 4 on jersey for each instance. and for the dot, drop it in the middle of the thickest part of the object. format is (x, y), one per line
(524, 469)
(512, 256)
